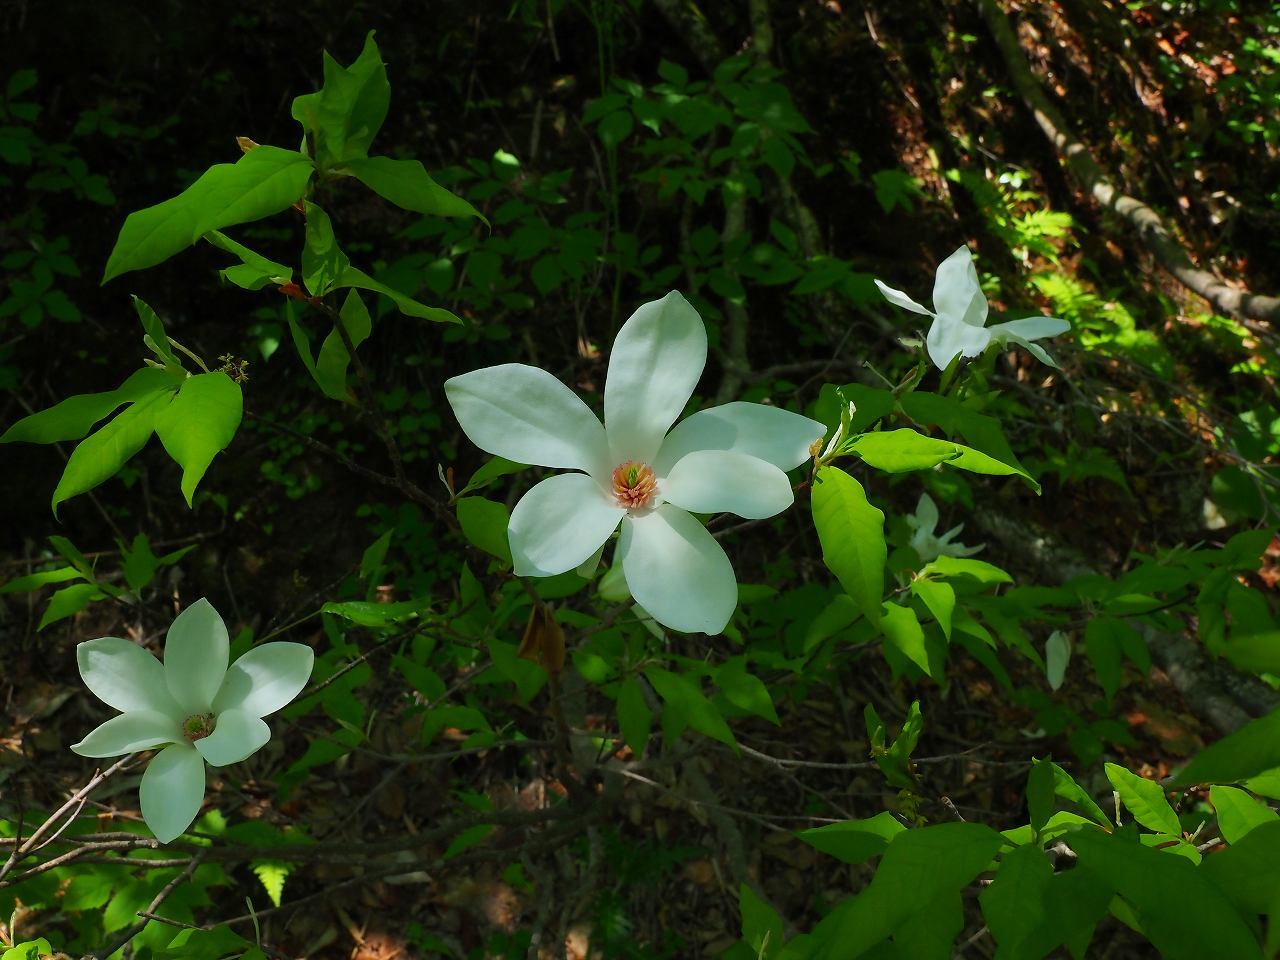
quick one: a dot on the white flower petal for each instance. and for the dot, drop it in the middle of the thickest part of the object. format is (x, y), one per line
(527, 415)
(560, 523)
(172, 790)
(711, 481)
(926, 516)
(236, 735)
(656, 362)
(955, 285)
(898, 298)
(135, 730)
(195, 657)
(1031, 328)
(265, 679)
(123, 675)
(1037, 351)
(778, 436)
(677, 571)
(948, 337)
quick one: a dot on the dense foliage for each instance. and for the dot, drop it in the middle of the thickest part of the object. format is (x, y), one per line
(937, 625)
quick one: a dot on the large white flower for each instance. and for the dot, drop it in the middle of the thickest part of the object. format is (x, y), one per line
(958, 326)
(928, 544)
(203, 709)
(728, 458)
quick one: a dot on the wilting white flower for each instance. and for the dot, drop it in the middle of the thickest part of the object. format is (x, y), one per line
(928, 545)
(958, 326)
(203, 709)
(728, 458)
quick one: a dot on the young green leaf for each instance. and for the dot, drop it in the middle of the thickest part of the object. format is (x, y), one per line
(264, 181)
(351, 277)
(254, 271)
(159, 340)
(322, 260)
(75, 416)
(761, 925)
(855, 841)
(333, 359)
(1238, 813)
(851, 531)
(199, 424)
(100, 456)
(407, 184)
(69, 601)
(687, 706)
(347, 112)
(484, 524)
(1145, 800)
(634, 716)
(1251, 750)
(902, 632)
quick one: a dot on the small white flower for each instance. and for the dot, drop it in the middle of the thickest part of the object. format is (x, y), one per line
(729, 458)
(958, 326)
(195, 703)
(928, 545)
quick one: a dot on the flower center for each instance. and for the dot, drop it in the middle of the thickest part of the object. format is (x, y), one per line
(634, 485)
(198, 727)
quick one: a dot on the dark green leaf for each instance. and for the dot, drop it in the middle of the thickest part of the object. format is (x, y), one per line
(1253, 749)
(855, 841)
(484, 524)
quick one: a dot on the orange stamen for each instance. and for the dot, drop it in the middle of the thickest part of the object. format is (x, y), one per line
(634, 485)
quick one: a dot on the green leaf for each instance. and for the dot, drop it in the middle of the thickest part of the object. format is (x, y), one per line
(100, 456)
(199, 424)
(1253, 749)
(979, 431)
(634, 716)
(904, 450)
(347, 112)
(322, 261)
(407, 184)
(264, 181)
(1066, 788)
(351, 277)
(466, 839)
(254, 270)
(918, 868)
(159, 340)
(35, 580)
(139, 562)
(1014, 903)
(484, 523)
(1145, 800)
(370, 614)
(69, 601)
(1238, 813)
(333, 359)
(1248, 872)
(938, 598)
(1159, 888)
(686, 706)
(987, 574)
(761, 925)
(903, 633)
(272, 874)
(1103, 645)
(494, 468)
(75, 416)
(851, 531)
(855, 841)
(744, 690)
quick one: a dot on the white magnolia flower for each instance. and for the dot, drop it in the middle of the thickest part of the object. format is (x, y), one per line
(958, 326)
(195, 703)
(927, 544)
(729, 458)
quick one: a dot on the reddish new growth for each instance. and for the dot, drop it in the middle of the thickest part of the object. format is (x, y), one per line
(634, 485)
